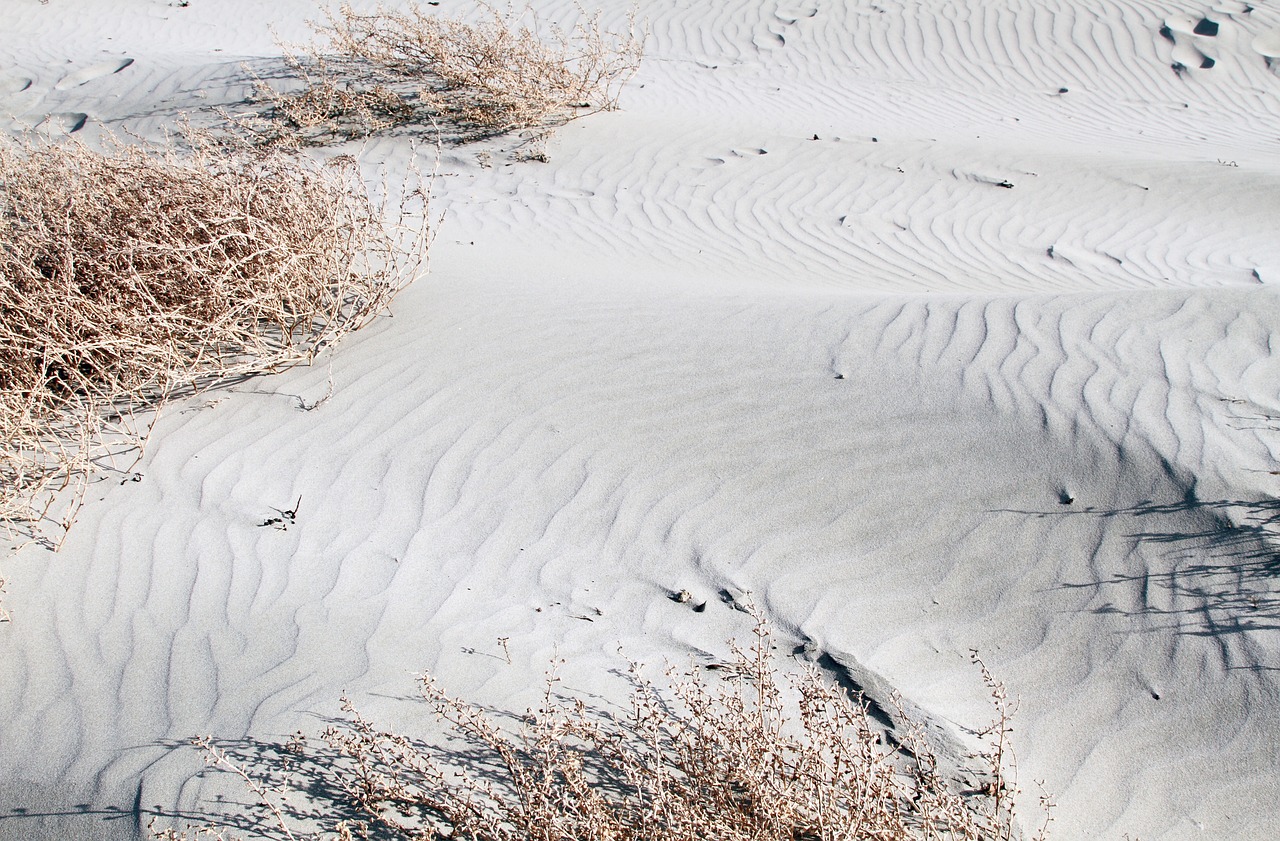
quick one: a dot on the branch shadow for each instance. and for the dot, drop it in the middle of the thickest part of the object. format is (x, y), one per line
(315, 785)
(1219, 577)
(323, 101)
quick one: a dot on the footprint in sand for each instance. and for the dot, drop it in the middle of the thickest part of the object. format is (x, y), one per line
(733, 154)
(1183, 31)
(1189, 25)
(93, 71)
(1188, 55)
(11, 84)
(791, 15)
(987, 178)
(775, 37)
(769, 40)
(1083, 258)
(1267, 45)
(64, 122)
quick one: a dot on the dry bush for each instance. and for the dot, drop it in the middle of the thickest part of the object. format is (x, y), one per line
(750, 756)
(498, 74)
(130, 273)
(392, 67)
(332, 105)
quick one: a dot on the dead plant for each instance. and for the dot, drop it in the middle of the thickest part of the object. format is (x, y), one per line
(390, 67)
(331, 105)
(745, 756)
(131, 273)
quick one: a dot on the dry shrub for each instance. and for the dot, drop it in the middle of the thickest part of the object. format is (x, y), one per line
(747, 757)
(133, 272)
(498, 74)
(348, 111)
(391, 67)
(332, 105)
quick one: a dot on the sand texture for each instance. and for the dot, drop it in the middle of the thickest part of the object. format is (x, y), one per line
(931, 325)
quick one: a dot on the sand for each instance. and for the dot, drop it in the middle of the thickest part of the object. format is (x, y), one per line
(932, 326)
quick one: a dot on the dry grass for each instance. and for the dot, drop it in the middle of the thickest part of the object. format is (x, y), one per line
(131, 273)
(504, 72)
(750, 756)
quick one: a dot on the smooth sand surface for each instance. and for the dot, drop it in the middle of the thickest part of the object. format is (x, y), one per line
(932, 326)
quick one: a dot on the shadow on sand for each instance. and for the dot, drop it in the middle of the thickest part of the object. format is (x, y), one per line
(1218, 569)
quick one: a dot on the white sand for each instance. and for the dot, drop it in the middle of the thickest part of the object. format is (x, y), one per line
(910, 410)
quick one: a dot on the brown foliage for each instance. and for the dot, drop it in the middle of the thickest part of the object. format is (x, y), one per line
(391, 67)
(744, 757)
(129, 273)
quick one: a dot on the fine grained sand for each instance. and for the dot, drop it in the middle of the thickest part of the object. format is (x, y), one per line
(933, 326)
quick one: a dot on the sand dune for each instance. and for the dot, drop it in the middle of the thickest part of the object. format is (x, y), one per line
(932, 326)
